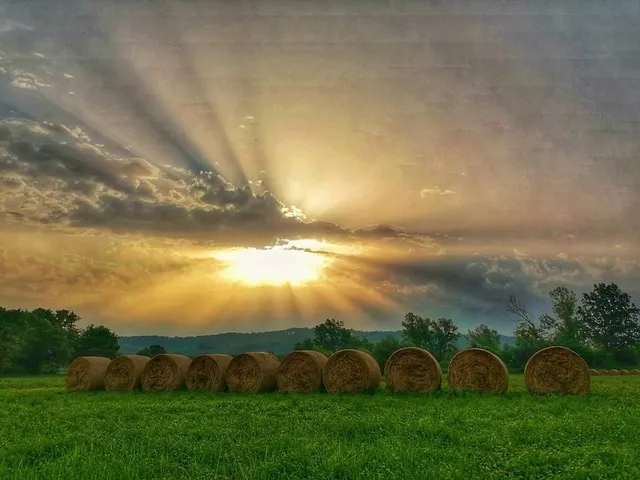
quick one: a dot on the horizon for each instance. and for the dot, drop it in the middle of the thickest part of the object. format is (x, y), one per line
(258, 167)
(270, 331)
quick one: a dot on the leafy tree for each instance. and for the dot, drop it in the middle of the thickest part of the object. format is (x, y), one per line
(484, 337)
(99, 341)
(564, 326)
(609, 318)
(305, 345)
(332, 335)
(309, 345)
(437, 336)
(152, 351)
(46, 346)
(359, 343)
(382, 350)
(13, 325)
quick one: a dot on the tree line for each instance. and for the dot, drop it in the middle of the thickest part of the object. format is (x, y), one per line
(44, 341)
(602, 327)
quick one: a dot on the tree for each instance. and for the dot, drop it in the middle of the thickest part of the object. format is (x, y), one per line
(382, 350)
(13, 325)
(437, 336)
(152, 351)
(527, 333)
(309, 345)
(98, 341)
(305, 345)
(564, 326)
(484, 337)
(609, 319)
(48, 340)
(332, 335)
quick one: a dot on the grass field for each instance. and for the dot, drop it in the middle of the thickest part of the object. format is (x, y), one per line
(48, 433)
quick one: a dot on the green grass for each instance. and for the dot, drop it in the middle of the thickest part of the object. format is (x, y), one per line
(48, 433)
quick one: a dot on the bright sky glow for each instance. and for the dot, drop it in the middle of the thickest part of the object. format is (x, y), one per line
(276, 265)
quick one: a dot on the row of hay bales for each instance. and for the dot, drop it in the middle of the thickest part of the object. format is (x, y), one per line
(603, 372)
(550, 370)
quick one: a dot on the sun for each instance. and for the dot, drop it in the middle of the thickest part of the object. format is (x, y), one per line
(277, 265)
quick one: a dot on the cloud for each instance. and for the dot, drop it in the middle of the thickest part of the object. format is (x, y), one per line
(476, 289)
(105, 267)
(7, 25)
(26, 80)
(435, 191)
(68, 181)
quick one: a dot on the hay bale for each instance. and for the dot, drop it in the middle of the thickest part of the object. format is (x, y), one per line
(479, 370)
(253, 372)
(593, 372)
(208, 373)
(635, 372)
(165, 372)
(624, 372)
(125, 373)
(412, 369)
(557, 370)
(351, 371)
(301, 372)
(613, 371)
(603, 372)
(86, 373)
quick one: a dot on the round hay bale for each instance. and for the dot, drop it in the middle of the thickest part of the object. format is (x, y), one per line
(301, 372)
(613, 371)
(253, 372)
(636, 372)
(125, 373)
(603, 372)
(351, 371)
(624, 372)
(593, 372)
(165, 372)
(412, 369)
(557, 370)
(208, 373)
(86, 373)
(479, 370)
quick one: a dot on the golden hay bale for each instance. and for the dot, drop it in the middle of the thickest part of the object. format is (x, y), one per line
(86, 373)
(624, 372)
(635, 372)
(412, 369)
(557, 370)
(613, 371)
(164, 372)
(253, 372)
(208, 373)
(301, 372)
(125, 373)
(479, 370)
(603, 372)
(351, 371)
(593, 372)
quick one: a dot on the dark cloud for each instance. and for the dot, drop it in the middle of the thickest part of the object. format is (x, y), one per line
(74, 164)
(477, 288)
(128, 195)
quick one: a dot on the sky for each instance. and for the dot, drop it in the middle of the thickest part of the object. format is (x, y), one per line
(196, 167)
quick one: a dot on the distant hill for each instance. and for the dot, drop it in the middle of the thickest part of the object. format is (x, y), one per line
(279, 342)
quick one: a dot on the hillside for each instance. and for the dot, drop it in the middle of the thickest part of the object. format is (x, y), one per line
(279, 342)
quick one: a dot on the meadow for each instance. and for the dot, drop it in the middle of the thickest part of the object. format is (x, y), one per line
(47, 433)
